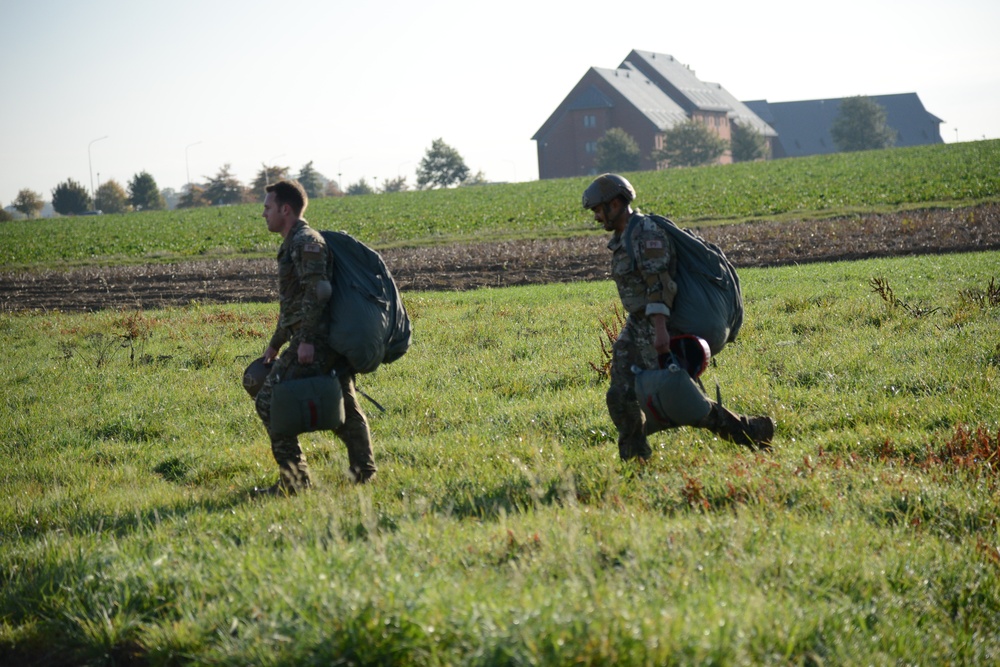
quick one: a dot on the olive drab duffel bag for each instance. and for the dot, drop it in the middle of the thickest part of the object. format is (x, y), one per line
(298, 406)
(310, 404)
(709, 302)
(669, 395)
(369, 325)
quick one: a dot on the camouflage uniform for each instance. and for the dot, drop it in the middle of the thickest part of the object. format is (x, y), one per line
(302, 266)
(646, 287)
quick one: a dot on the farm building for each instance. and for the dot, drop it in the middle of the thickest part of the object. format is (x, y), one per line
(649, 93)
(804, 127)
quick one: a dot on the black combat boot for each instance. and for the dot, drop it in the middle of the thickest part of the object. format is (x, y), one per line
(755, 433)
(292, 478)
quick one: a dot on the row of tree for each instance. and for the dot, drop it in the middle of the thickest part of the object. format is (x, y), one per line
(442, 166)
(687, 144)
(861, 124)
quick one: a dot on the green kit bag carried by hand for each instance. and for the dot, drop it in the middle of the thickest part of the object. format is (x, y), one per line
(310, 404)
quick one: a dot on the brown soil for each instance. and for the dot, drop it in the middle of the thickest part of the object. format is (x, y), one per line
(468, 266)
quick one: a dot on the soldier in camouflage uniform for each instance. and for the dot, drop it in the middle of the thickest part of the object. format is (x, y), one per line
(647, 289)
(304, 290)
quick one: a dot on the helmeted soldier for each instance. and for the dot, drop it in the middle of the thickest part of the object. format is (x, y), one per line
(645, 278)
(304, 290)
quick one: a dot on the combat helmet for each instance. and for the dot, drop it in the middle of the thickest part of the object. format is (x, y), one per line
(605, 188)
(690, 352)
(254, 376)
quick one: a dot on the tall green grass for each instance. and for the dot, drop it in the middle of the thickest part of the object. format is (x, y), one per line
(502, 529)
(815, 186)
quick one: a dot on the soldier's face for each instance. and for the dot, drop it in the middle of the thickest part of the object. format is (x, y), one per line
(272, 214)
(607, 215)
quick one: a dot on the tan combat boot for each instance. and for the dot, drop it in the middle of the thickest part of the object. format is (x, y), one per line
(755, 433)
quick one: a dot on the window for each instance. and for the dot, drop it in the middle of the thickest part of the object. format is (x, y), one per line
(590, 121)
(590, 147)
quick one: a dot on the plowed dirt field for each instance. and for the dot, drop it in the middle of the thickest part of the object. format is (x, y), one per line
(501, 264)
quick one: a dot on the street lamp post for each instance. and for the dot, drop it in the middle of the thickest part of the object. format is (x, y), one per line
(187, 168)
(267, 169)
(90, 164)
(340, 173)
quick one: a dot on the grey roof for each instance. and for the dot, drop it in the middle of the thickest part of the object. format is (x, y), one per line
(743, 114)
(591, 98)
(644, 95)
(804, 127)
(665, 69)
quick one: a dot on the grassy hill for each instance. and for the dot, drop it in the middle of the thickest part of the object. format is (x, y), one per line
(947, 174)
(502, 529)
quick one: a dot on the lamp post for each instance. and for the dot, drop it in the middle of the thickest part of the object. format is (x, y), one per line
(187, 168)
(340, 182)
(267, 169)
(90, 164)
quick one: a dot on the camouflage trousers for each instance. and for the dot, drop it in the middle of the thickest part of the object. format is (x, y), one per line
(354, 432)
(634, 346)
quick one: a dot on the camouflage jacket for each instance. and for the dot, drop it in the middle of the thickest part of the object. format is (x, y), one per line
(302, 267)
(645, 279)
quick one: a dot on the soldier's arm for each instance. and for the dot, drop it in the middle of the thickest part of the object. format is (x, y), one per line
(313, 278)
(278, 338)
(657, 262)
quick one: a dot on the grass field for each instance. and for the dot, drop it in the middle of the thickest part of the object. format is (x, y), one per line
(827, 185)
(502, 528)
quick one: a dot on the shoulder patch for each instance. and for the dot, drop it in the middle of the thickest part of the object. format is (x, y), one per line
(312, 248)
(654, 244)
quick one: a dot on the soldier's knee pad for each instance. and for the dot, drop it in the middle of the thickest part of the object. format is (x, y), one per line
(669, 397)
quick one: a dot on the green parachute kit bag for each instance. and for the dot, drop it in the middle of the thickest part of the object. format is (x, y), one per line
(368, 323)
(669, 397)
(310, 404)
(709, 302)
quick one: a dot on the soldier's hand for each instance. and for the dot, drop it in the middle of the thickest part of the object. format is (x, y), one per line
(269, 355)
(307, 352)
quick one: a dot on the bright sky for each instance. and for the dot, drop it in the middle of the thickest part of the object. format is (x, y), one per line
(103, 89)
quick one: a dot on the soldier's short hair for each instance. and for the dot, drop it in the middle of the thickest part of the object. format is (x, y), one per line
(289, 192)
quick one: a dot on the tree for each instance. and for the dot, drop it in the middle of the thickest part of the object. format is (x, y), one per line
(748, 144)
(690, 144)
(143, 193)
(111, 198)
(360, 188)
(193, 197)
(397, 184)
(311, 180)
(441, 167)
(479, 178)
(5, 215)
(266, 176)
(224, 188)
(617, 151)
(861, 125)
(332, 189)
(70, 198)
(28, 202)
(170, 197)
